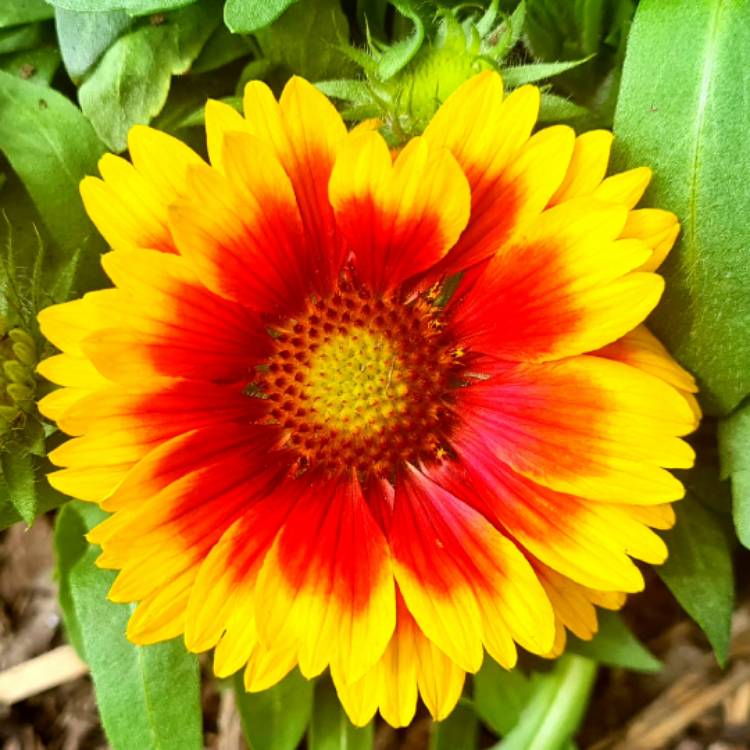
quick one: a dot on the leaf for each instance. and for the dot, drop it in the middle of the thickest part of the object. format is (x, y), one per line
(459, 731)
(36, 65)
(672, 97)
(521, 74)
(51, 146)
(131, 82)
(556, 108)
(734, 451)
(500, 695)
(699, 571)
(330, 728)
(221, 49)
(20, 38)
(249, 16)
(615, 646)
(277, 718)
(148, 697)
(24, 492)
(16, 12)
(555, 707)
(131, 7)
(84, 37)
(398, 55)
(320, 56)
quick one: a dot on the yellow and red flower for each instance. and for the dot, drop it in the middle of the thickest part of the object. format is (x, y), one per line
(314, 454)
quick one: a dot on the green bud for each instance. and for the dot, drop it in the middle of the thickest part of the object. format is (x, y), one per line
(25, 354)
(8, 413)
(16, 372)
(20, 393)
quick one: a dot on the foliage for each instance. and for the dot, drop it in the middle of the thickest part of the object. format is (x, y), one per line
(75, 75)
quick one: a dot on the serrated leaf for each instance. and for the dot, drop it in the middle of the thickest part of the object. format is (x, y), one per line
(734, 452)
(458, 731)
(555, 707)
(249, 16)
(330, 728)
(521, 74)
(16, 12)
(51, 147)
(131, 82)
(84, 37)
(148, 697)
(615, 646)
(320, 56)
(500, 695)
(275, 719)
(699, 571)
(680, 113)
(131, 7)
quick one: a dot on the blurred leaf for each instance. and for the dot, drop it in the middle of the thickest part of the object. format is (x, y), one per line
(148, 697)
(699, 571)
(320, 56)
(132, 7)
(558, 109)
(248, 16)
(15, 12)
(734, 448)
(399, 54)
(221, 49)
(500, 695)
(521, 74)
(555, 707)
(615, 646)
(84, 37)
(131, 82)
(20, 38)
(458, 731)
(277, 718)
(51, 146)
(679, 112)
(36, 65)
(330, 728)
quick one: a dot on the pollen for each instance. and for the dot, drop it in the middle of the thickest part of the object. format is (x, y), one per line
(362, 382)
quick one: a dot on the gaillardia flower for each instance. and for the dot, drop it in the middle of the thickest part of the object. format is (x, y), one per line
(370, 410)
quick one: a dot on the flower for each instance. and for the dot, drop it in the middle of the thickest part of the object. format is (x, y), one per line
(313, 453)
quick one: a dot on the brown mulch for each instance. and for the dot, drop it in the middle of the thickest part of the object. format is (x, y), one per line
(690, 705)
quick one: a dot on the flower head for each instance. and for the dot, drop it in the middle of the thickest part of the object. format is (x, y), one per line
(372, 411)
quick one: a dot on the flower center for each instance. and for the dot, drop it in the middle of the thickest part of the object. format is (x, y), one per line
(362, 382)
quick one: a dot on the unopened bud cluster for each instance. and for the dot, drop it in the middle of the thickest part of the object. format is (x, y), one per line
(19, 356)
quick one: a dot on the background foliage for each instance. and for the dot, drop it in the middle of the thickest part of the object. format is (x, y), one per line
(76, 74)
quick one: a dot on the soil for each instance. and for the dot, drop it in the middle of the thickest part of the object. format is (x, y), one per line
(691, 704)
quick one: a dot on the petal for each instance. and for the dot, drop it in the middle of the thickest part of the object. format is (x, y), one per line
(169, 324)
(587, 167)
(463, 581)
(587, 426)
(624, 188)
(326, 586)
(398, 219)
(242, 233)
(563, 288)
(657, 228)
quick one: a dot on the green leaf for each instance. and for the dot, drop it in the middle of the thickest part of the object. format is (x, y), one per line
(348, 89)
(699, 571)
(36, 65)
(734, 451)
(20, 38)
(459, 731)
(615, 646)
(277, 718)
(555, 707)
(330, 728)
(51, 146)
(148, 697)
(398, 55)
(500, 695)
(131, 82)
(131, 7)
(84, 37)
(679, 81)
(249, 16)
(24, 492)
(556, 109)
(320, 56)
(221, 49)
(521, 74)
(15, 12)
